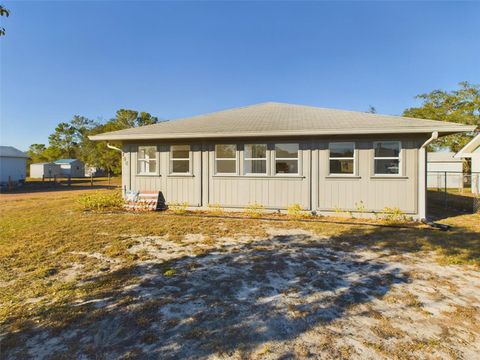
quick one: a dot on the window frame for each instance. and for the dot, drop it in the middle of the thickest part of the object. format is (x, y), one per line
(399, 158)
(215, 158)
(156, 158)
(245, 159)
(275, 158)
(172, 159)
(354, 159)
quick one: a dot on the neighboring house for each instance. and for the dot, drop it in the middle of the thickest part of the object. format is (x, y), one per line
(13, 165)
(44, 170)
(71, 167)
(94, 171)
(278, 154)
(472, 151)
(444, 170)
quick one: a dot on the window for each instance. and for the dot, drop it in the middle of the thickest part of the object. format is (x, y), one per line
(286, 158)
(147, 160)
(255, 157)
(180, 159)
(387, 157)
(342, 158)
(226, 159)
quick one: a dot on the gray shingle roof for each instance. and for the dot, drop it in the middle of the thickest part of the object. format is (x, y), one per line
(277, 119)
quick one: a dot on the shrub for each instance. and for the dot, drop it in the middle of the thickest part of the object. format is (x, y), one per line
(295, 211)
(393, 215)
(104, 200)
(254, 210)
(215, 209)
(178, 208)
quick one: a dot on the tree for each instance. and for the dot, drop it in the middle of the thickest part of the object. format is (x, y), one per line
(459, 106)
(3, 12)
(371, 109)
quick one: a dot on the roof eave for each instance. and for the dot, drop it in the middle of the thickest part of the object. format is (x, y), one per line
(416, 130)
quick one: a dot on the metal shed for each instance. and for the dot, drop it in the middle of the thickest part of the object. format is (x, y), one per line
(13, 164)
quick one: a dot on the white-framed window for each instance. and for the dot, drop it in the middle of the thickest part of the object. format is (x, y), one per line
(286, 158)
(255, 159)
(386, 157)
(342, 158)
(179, 159)
(147, 160)
(226, 159)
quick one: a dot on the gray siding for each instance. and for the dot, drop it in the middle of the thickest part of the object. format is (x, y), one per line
(312, 188)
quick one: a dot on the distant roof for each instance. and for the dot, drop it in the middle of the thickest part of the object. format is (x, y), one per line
(442, 156)
(280, 119)
(10, 151)
(65, 161)
(468, 149)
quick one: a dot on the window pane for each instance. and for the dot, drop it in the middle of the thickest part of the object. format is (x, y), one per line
(152, 164)
(256, 151)
(225, 151)
(180, 166)
(286, 150)
(147, 151)
(226, 166)
(341, 150)
(387, 166)
(255, 166)
(180, 151)
(341, 166)
(286, 166)
(387, 149)
(141, 167)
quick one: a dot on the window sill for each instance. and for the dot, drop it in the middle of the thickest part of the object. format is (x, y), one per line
(392, 177)
(148, 175)
(292, 177)
(344, 177)
(180, 175)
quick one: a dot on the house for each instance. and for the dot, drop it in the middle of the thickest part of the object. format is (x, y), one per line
(44, 170)
(278, 154)
(94, 171)
(71, 167)
(472, 151)
(444, 170)
(13, 165)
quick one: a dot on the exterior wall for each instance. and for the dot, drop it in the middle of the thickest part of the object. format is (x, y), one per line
(476, 171)
(12, 168)
(313, 188)
(44, 170)
(74, 169)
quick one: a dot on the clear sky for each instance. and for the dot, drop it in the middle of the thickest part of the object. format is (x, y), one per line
(175, 59)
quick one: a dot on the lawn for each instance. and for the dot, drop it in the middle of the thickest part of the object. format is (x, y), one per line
(117, 284)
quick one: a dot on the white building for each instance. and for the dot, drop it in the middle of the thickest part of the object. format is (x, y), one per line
(444, 166)
(71, 167)
(13, 165)
(44, 170)
(472, 151)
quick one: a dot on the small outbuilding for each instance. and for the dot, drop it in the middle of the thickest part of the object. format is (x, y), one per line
(71, 167)
(472, 151)
(44, 170)
(444, 170)
(13, 165)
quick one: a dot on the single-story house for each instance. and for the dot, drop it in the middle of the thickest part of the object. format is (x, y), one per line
(13, 165)
(44, 170)
(444, 170)
(71, 167)
(472, 151)
(278, 154)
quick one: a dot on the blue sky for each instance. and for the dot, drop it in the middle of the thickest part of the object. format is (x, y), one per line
(176, 59)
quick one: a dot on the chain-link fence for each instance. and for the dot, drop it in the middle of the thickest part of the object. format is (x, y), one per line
(455, 191)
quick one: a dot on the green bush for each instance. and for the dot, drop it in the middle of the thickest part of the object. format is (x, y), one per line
(101, 200)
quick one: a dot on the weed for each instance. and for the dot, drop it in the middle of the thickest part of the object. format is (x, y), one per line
(105, 200)
(295, 211)
(216, 209)
(169, 272)
(393, 215)
(178, 208)
(254, 210)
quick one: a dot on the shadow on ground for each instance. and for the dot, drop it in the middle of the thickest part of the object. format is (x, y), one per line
(225, 300)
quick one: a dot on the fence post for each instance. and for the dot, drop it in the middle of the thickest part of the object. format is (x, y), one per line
(446, 193)
(91, 179)
(69, 180)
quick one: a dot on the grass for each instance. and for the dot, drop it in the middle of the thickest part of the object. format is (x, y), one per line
(44, 233)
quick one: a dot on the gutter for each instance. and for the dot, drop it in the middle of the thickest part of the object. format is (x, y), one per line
(114, 147)
(432, 138)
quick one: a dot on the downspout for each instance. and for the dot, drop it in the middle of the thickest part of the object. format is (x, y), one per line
(426, 143)
(118, 149)
(114, 147)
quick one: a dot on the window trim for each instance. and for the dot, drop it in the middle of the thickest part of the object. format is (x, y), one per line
(354, 159)
(215, 158)
(245, 159)
(156, 158)
(275, 158)
(399, 158)
(171, 160)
